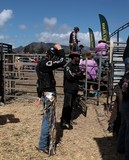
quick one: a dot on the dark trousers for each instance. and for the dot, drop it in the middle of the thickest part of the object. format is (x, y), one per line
(123, 136)
(69, 103)
(73, 48)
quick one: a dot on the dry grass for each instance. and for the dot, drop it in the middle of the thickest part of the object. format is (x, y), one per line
(20, 123)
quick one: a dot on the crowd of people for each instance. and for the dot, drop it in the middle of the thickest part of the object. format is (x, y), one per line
(74, 71)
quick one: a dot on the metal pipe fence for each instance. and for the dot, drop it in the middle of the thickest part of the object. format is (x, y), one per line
(22, 83)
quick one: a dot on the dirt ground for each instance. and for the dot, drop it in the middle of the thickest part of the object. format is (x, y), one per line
(20, 122)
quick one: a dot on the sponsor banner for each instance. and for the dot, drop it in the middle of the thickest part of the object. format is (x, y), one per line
(92, 39)
(104, 28)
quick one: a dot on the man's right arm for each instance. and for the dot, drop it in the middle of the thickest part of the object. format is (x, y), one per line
(60, 61)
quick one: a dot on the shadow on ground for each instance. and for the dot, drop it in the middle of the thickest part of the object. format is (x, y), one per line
(8, 118)
(59, 133)
(80, 108)
(107, 147)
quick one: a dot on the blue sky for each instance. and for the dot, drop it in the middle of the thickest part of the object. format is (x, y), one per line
(27, 21)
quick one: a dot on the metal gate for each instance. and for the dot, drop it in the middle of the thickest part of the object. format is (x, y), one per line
(4, 48)
(19, 75)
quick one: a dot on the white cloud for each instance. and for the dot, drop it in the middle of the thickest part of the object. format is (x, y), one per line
(23, 27)
(97, 35)
(53, 33)
(50, 21)
(63, 38)
(83, 38)
(53, 38)
(5, 15)
(2, 37)
(64, 28)
(5, 39)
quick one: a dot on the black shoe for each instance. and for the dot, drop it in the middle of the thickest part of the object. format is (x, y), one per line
(70, 126)
(66, 126)
(110, 127)
(45, 150)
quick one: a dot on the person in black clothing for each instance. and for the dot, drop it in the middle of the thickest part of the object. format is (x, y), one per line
(80, 49)
(55, 58)
(73, 41)
(126, 55)
(115, 118)
(123, 135)
(72, 74)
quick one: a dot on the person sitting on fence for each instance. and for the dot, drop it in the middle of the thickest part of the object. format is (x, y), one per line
(101, 53)
(101, 50)
(80, 47)
(92, 69)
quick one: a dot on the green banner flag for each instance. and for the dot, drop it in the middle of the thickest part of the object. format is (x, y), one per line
(92, 39)
(104, 28)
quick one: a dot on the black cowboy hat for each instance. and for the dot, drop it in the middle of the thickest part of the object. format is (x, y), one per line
(102, 41)
(81, 46)
(74, 54)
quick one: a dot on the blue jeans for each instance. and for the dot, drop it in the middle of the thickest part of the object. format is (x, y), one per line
(44, 135)
(123, 136)
(48, 103)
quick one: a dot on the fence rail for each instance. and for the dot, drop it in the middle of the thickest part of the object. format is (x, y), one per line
(22, 83)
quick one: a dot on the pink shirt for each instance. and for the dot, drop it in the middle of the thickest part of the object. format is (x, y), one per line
(92, 68)
(101, 49)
